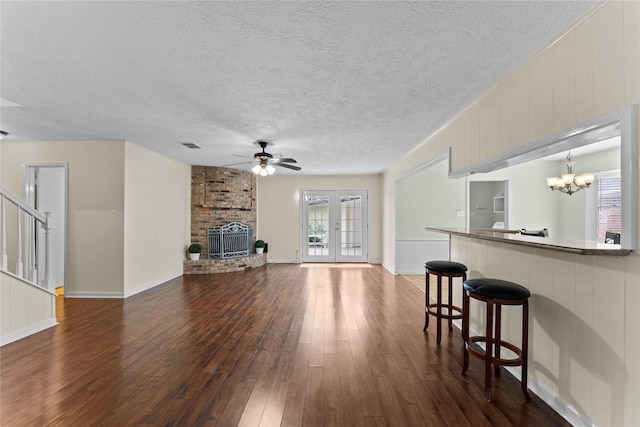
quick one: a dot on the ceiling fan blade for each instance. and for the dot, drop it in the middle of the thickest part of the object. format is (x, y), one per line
(234, 164)
(284, 165)
(283, 160)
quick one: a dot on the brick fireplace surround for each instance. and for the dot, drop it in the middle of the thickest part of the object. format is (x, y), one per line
(220, 196)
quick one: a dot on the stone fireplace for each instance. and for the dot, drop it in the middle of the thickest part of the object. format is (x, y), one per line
(220, 196)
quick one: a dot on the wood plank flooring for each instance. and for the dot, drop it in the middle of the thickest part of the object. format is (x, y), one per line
(280, 345)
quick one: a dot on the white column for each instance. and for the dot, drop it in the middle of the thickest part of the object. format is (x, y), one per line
(48, 282)
(3, 246)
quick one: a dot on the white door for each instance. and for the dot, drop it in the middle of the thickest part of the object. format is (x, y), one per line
(334, 226)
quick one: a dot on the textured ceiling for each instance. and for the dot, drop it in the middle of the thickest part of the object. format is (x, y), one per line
(343, 87)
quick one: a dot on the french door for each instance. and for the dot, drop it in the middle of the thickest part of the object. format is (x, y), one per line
(334, 226)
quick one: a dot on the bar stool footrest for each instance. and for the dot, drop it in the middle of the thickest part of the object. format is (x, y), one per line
(496, 361)
(438, 308)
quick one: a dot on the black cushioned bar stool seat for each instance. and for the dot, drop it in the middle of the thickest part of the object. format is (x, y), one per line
(442, 269)
(495, 293)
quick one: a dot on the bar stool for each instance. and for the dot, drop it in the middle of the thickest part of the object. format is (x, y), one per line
(442, 269)
(495, 293)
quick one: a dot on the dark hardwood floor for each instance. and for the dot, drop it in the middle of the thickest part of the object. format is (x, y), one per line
(278, 345)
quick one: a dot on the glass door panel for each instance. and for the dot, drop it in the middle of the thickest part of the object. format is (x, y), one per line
(334, 226)
(352, 231)
(318, 226)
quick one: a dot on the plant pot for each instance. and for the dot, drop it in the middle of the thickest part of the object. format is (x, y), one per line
(259, 250)
(194, 257)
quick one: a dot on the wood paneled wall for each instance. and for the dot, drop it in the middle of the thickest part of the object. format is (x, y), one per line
(584, 350)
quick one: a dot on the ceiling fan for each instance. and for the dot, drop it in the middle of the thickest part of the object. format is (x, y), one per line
(266, 161)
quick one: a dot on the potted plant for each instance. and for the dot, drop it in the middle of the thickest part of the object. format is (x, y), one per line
(194, 251)
(260, 244)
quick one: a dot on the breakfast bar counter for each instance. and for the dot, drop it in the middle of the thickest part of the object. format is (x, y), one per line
(515, 238)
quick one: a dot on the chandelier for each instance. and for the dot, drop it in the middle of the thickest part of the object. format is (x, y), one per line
(566, 182)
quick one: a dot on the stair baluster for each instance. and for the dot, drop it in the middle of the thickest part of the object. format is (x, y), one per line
(22, 209)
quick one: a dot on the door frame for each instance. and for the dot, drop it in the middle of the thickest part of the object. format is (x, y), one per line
(507, 197)
(337, 233)
(29, 197)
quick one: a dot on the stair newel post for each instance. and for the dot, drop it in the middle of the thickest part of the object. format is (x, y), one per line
(19, 265)
(48, 281)
(3, 249)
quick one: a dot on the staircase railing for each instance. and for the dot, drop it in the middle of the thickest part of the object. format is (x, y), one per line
(26, 215)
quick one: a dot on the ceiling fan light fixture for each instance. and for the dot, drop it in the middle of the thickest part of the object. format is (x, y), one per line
(263, 169)
(266, 162)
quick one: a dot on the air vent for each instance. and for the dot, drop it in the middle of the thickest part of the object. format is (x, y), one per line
(189, 144)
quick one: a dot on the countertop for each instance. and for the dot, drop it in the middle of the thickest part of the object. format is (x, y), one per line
(515, 238)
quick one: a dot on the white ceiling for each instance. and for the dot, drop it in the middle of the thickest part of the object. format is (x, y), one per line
(595, 147)
(343, 87)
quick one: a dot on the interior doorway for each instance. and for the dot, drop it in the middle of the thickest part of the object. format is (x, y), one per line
(488, 203)
(46, 191)
(334, 226)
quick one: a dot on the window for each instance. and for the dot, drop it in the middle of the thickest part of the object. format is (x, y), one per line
(609, 204)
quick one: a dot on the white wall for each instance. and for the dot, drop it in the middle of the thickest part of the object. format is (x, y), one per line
(428, 198)
(24, 308)
(129, 217)
(96, 207)
(412, 254)
(584, 346)
(157, 223)
(532, 204)
(279, 211)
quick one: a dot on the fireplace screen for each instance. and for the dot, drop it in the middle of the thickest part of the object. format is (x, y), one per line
(230, 241)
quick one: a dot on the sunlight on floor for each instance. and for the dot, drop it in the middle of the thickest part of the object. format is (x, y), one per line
(418, 280)
(335, 265)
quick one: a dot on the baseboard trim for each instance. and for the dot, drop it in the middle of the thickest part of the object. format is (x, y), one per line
(556, 403)
(75, 294)
(23, 333)
(565, 410)
(150, 285)
(410, 271)
(389, 269)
